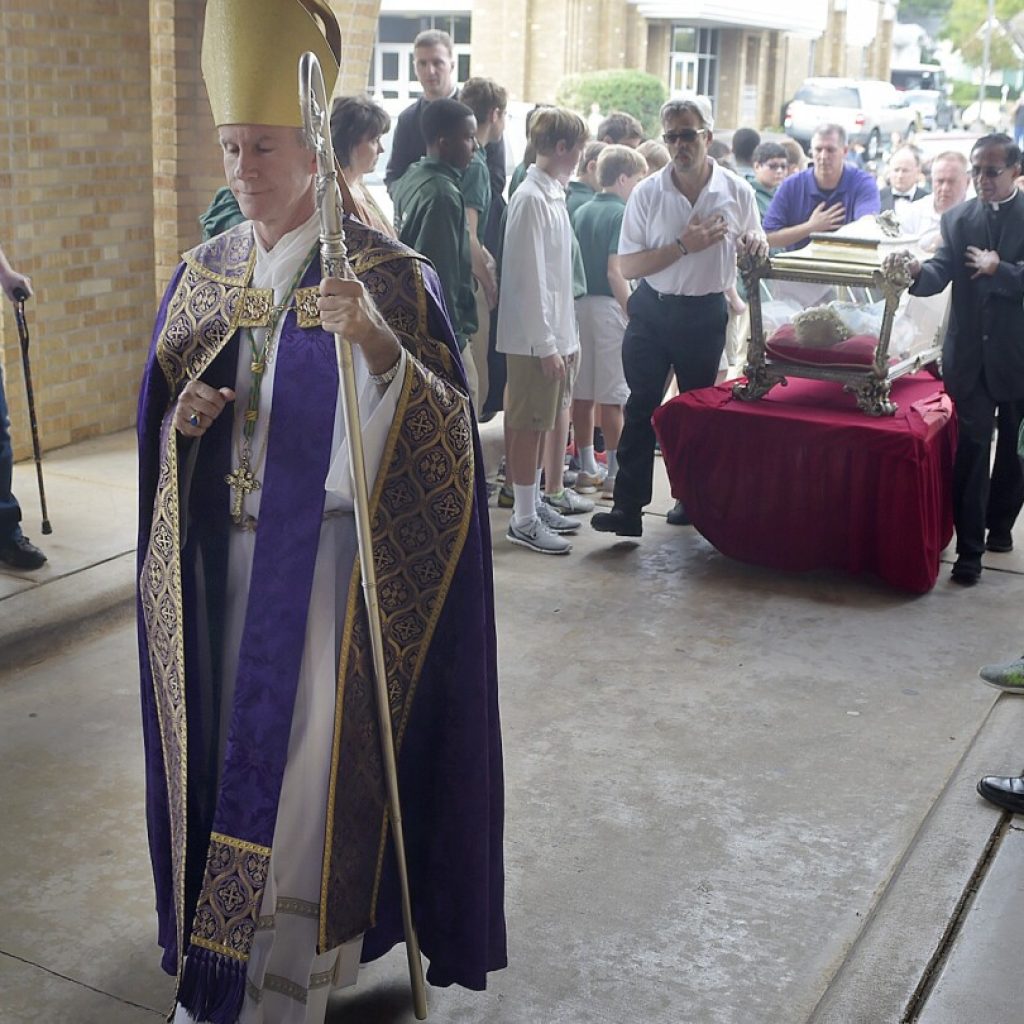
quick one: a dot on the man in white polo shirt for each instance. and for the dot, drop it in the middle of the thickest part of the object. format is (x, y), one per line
(681, 233)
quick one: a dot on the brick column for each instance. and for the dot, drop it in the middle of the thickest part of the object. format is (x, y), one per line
(358, 21)
(186, 163)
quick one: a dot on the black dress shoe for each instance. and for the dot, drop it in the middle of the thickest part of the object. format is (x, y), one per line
(619, 522)
(19, 553)
(1006, 792)
(966, 571)
(677, 515)
(999, 542)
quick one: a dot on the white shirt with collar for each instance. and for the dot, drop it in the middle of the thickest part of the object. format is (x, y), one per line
(919, 218)
(658, 213)
(536, 315)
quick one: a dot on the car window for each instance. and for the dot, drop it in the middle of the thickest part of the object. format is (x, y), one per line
(828, 96)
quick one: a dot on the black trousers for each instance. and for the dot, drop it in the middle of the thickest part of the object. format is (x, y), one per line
(683, 332)
(981, 501)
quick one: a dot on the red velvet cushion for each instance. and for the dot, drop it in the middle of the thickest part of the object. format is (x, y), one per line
(855, 352)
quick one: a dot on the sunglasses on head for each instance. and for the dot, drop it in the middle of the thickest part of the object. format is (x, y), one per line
(987, 172)
(683, 135)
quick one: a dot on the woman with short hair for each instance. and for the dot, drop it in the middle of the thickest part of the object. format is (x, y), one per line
(357, 124)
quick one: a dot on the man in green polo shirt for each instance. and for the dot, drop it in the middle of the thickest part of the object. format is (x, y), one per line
(601, 314)
(488, 101)
(430, 213)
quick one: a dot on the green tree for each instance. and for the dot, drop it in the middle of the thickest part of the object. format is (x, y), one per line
(634, 92)
(964, 27)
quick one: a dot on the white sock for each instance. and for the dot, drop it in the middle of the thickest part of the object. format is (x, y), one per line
(587, 461)
(524, 507)
(613, 461)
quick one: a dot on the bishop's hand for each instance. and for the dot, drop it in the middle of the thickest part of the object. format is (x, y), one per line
(347, 309)
(198, 406)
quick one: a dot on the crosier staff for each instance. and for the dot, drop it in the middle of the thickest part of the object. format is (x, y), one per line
(334, 261)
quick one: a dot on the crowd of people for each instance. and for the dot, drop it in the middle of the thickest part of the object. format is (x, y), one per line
(607, 246)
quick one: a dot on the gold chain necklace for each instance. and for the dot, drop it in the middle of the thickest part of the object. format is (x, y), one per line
(243, 480)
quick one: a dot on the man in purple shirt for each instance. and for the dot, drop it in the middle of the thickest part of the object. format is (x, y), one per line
(826, 196)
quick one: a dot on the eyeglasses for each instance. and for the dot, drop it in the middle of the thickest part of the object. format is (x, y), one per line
(776, 165)
(683, 135)
(987, 172)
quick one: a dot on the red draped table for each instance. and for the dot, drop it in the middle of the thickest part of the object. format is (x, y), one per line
(802, 479)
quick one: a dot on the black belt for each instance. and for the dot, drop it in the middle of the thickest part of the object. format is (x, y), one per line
(670, 297)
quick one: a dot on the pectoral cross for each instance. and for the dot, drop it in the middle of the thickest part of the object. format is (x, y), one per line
(243, 482)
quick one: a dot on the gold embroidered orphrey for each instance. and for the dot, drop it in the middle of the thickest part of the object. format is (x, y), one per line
(421, 509)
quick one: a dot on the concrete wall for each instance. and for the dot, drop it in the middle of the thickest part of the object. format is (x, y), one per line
(107, 157)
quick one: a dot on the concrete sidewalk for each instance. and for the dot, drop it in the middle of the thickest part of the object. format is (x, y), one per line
(91, 497)
(738, 797)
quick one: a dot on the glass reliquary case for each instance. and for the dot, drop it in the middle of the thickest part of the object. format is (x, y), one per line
(837, 311)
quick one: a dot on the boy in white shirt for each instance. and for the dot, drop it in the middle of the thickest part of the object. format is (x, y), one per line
(537, 330)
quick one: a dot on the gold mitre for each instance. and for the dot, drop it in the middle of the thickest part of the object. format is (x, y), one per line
(251, 51)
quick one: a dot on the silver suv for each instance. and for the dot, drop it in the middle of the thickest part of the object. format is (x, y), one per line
(872, 112)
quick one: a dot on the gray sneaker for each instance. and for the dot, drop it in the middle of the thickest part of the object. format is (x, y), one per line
(569, 503)
(1008, 677)
(554, 520)
(537, 537)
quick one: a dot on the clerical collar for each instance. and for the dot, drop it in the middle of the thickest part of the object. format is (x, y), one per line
(995, 207)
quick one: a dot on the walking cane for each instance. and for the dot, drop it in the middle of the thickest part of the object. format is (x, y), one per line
(20, 295)
(333, 259)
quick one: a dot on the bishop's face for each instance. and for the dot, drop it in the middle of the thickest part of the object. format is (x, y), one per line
(271, 174)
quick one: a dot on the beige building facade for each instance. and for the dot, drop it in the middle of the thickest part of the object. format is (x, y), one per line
(748, 56)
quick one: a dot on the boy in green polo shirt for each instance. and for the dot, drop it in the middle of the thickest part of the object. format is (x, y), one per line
(430, 213)
(584, 186)
(601, 313)
(488, 101)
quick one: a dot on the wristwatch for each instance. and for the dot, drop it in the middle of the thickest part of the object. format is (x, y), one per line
(682, 248)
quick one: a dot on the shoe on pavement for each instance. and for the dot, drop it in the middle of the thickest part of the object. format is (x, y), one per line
(677, 515)
(608, 487)
(20, 553)
(966, 570)
(537, 537)
(506, 497)
(588, 483)
(1008, 677)
(554, 520)
(1005, 792)
(999, 542)
(619, 522)
(569, 503)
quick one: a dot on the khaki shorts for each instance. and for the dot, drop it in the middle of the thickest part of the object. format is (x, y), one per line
(602, 325)
(534, 401)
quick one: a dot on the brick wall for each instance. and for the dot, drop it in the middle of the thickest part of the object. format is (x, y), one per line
(75, 169)
(107, 157)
